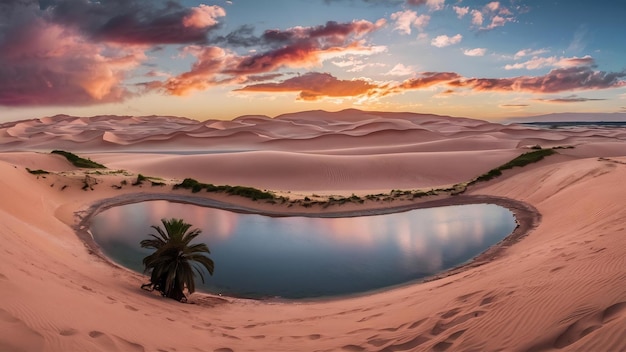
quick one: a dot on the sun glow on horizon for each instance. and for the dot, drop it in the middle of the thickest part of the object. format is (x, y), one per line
(220, 60)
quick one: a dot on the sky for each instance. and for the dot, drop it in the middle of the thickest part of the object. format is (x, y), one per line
(222, 59)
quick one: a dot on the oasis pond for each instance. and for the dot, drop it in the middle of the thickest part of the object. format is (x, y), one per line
(294, 257)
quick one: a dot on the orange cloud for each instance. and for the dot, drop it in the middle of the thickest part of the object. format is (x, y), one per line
(298, 47)
(314, 86)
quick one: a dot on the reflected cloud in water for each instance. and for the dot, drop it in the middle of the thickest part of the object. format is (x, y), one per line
(307, 257)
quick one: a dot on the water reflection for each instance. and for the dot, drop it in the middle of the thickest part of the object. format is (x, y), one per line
(259, 256)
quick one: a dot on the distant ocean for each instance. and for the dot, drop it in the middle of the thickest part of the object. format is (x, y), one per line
(570, 124)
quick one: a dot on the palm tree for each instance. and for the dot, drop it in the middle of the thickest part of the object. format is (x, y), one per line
(174, 259)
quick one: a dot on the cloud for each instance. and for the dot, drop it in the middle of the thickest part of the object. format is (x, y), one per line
(514, 105)
(475, 52)
(529, 52)
(243, 36)
(568, 99)
(433, 5)
(540, 62)
(315, 86)
(493, 6)
(301, 47)
(579, 42)
(429, 79)
(557, 80)
(401, 70)
(497, 21)
(136, 22)
(443, 40)
(407, 19)
(203, 16)
(496, 15)
(477, 18)
(461, 11)
(43, 63)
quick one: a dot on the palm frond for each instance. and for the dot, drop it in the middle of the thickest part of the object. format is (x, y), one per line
(174, 260)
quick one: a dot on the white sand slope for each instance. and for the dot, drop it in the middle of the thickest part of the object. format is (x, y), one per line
(560, 287)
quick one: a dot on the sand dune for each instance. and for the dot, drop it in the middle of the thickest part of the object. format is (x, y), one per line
(561, 287)
(306, 131)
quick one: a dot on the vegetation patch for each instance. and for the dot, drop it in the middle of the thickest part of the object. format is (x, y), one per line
(38, 171)
(89, 182)
(139, 180)
(247, 192)
(154, 181)
(78, 161)
(522, 160)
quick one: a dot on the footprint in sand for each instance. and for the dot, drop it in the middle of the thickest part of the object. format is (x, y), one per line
(114, 343)
(68, 332)
(14, 330)
(442, 326)
(408, 345)
(451, 313)
(417, 323)
(487, 300)
(447, 343)
(588, 322)
(129, 307)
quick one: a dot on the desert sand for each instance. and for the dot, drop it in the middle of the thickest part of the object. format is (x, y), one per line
(559, 286)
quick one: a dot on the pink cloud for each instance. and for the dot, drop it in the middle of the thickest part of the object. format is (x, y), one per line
(496, 15)
(540, 62)
(557, 80)
(407, 19)
(492, 6)
(203, 16)
(45, 64)
(475, 52)
(434, 5)
(477, 18)
(461, 11)
(444, 40)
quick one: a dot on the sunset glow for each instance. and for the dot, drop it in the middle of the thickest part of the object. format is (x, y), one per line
(222, 59)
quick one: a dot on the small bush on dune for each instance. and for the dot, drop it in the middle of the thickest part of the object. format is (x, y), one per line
(522, 160)
(37, 172)
(78, 161)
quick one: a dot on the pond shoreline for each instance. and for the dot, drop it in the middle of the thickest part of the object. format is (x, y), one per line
(526, 216)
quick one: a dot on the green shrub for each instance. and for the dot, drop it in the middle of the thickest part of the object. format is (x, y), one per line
(522, 160)
(78, 161)
(248, 192)
(139, 180)
(38, 171)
